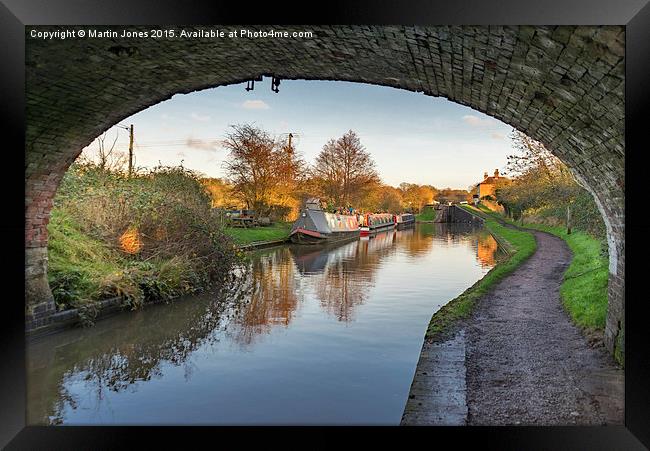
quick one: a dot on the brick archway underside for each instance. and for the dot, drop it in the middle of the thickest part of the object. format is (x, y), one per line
(563, 86)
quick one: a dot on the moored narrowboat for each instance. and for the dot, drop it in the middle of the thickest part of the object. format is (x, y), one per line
(404, 220)
(373, 223)
(316, 226)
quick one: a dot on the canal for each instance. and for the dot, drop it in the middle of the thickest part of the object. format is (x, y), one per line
(321, 336)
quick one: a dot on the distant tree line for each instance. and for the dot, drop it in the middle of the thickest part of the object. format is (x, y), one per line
(265, 174)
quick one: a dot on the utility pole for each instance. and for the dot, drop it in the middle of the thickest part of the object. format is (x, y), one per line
(290, 148)
(131, 150)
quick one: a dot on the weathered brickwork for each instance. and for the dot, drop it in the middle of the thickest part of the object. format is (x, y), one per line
(563, 86)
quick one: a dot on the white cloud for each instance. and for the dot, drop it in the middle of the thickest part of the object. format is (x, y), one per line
(200, 117)
(255, 105)
(476, 121)
(497, 135)
(202, 144)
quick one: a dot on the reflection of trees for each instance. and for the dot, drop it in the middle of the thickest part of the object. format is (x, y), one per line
(342, 286)
(486, 249)
(418, 241)
(274, 296)
(415, 241)
(349, 275)
(341, 275)
(118, 352)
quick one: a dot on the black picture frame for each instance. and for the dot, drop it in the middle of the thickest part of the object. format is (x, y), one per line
(16, 14)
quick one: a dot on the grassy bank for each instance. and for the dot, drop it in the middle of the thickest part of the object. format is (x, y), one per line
(83, 269)
(427, 214)
(243, 236)
(142, 238)
(77, 262)
(520, 244)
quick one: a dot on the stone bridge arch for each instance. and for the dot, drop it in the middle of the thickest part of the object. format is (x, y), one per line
(563, 86)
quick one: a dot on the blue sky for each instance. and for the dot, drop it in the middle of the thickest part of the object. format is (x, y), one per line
(412, 137)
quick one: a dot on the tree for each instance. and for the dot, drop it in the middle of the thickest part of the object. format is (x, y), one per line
(105, 157)
(344, 171)
(452, 195)
(433, 191)
(221, 193)
(390, 199)
(541, 182)
(263, 173)
(383, 198)
(289, 188)
(417, 196)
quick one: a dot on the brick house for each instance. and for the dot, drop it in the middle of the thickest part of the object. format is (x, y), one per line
(487, 188)
(489, 184)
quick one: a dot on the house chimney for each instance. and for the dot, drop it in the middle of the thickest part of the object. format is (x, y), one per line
(485, 175)
(496, 173)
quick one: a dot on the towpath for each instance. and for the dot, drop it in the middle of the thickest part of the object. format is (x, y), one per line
(518, 359)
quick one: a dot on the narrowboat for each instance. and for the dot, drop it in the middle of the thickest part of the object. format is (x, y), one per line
(373, 223)
(404, 220)
(316, 226)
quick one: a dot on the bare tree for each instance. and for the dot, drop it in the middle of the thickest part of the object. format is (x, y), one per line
(345, 171)
(259, 167)
(106, 157)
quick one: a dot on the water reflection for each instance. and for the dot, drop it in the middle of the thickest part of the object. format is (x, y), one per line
(106, 374)
(274, 298)
(487, 249)
(117, 353)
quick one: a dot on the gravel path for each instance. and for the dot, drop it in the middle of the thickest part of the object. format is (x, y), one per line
(526, 363)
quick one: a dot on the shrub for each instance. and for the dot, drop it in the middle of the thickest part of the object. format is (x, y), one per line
(149, 236)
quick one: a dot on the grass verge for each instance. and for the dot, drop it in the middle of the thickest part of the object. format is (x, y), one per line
(427, 214)
(83, 270)
(521, 245)
(78, 263)
(243, 236)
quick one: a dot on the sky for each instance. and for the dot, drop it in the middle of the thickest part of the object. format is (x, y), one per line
(412, 137)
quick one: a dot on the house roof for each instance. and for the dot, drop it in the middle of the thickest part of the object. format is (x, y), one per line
(491, 180)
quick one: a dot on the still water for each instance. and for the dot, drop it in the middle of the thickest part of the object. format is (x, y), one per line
(326, 336)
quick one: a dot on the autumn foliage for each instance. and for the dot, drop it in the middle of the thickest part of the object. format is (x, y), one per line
(265, 175)
(545, 190)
